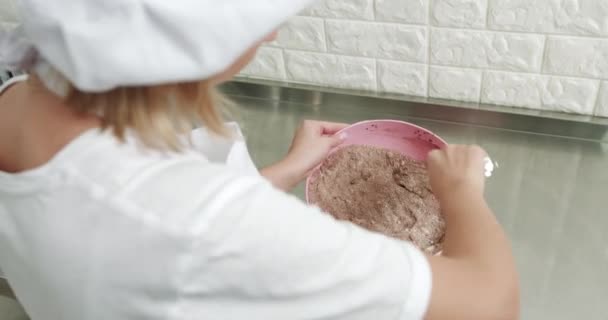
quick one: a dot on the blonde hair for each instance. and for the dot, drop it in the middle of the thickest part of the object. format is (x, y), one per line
(161, 116)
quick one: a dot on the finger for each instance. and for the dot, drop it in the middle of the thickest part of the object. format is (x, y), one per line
(331, 128)
(478, 155)
(336, 140)
(478, 151)
(434, 156)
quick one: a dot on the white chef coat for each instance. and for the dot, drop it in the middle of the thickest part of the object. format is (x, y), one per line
(107, 230)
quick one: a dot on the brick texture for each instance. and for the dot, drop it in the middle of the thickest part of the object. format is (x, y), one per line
(602, 106)
(540, 92)
(541, 54)
(488, 50)
(459, 13)
(268, 64)
(455, 83)
(377, 40)
(331, 70)
(402, 77)
(415, 12)
(577, 17)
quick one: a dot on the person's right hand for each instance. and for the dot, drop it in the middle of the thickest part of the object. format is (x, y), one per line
(475, 278)
(457, 170)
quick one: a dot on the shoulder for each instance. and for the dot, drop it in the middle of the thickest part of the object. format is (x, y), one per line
(180, 191)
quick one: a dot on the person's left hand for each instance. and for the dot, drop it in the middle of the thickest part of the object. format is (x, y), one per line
(311, 144)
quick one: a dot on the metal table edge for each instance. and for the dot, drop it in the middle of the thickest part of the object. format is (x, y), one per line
(499, 117)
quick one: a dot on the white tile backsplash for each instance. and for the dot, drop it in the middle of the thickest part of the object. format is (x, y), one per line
(571, 95)
(412, 11)
(268, 64)
(402, 77)
(584, 17)
(513, 89)
(487, 50)
(343, 9)
(377, 40)
(577, 56)
(331, 70)
(303, 33)
(539, 54)
(455, 83)
(602, 105)
(459, 13)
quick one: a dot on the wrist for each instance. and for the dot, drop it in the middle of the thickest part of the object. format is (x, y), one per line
(291, 171)
(461, 197)
(283, 175)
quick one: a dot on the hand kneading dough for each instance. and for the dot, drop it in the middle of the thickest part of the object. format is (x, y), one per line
(382, 191)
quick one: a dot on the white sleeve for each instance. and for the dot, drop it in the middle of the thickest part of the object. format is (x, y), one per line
(257, 253)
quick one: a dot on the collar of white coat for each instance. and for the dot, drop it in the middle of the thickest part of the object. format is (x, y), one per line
(101, 45)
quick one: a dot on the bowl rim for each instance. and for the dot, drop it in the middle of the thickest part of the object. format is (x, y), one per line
(417, 127)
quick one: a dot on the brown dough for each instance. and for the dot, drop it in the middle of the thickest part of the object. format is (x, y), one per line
(382, 191)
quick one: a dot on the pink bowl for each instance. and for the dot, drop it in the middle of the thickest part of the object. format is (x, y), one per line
(408, 139)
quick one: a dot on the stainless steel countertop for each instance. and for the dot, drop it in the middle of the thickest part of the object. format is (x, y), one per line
(550, 194)
(501, 117)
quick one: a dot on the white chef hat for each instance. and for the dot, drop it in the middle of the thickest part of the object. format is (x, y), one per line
(101, 45)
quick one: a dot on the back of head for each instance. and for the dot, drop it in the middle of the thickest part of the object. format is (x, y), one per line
(140, 64)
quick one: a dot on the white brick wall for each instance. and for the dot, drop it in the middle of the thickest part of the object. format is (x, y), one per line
(540, 54)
